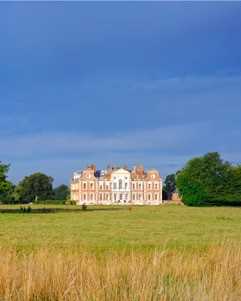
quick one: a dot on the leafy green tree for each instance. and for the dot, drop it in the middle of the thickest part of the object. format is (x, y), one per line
(210, 180)
(36, 187)
(233, 185)
(61, 192)
(170, 185)
(6, 187)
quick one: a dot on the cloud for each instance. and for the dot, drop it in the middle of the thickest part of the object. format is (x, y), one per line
(203, 115)
(57, 144)
(59, 154)
(166, 148)
(191, 84)
(61, 169)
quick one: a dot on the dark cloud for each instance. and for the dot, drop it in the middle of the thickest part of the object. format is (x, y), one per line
(152, 82)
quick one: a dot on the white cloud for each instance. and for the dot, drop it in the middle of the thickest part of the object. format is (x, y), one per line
(165, 138)
(62, 168)
(191, 84)
(59, 154)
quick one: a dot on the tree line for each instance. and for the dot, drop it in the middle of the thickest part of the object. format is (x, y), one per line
(207, 180)
(37, 187)
(204, 180)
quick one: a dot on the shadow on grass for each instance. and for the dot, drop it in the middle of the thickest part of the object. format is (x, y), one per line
(216, 204)
(56, 210)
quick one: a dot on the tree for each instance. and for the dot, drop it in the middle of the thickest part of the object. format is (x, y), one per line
(170, 185)
(6, 187)
(61, 192)
(210, 180)
(233, 184)
(36, 187)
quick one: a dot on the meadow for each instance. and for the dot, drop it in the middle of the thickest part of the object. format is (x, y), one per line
(166, 252)
(106, 228)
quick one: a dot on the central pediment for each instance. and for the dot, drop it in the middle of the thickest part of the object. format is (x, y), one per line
(121, 171)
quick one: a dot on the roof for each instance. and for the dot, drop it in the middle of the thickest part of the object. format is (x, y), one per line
(137, 173)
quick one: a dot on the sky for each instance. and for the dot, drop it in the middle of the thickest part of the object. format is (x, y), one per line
(118, 83)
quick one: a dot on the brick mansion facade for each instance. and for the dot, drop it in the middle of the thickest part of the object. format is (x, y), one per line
(117, 186)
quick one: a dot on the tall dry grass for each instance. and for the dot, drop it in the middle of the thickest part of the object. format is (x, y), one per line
(214, 274)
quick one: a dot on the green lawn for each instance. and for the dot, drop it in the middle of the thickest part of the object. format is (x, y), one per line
(117, 228)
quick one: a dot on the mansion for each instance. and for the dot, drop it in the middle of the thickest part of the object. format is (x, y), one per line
(116, 185)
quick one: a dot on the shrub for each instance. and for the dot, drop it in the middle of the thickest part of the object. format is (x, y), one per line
(84, 207)
(24, 209)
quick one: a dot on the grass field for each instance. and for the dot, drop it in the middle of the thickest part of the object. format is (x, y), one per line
(112, 253)
(118, 228)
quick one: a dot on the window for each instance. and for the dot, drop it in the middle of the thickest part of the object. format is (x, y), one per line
(115, 185)
(120, 184)
(120, 196)
(133, 186)
(149, 186)
(139, 185)
(84, 197)
(149, 197)
(125, 185)
(155, 196)
(114, 196)
(91, 197)
(91, 185)
(139, 196)
(100, 197)
(84, 185)
(156, 186)
(133, 197)
(100, 186)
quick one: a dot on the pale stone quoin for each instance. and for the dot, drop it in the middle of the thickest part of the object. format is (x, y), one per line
(116, 185)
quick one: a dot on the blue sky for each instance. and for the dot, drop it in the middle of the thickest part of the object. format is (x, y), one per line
(115, 83)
